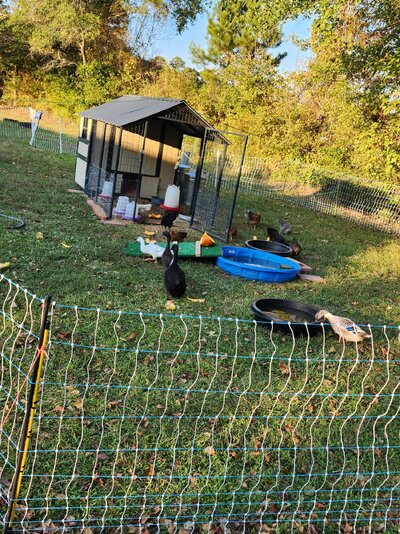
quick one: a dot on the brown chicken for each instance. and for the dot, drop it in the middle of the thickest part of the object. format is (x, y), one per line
(252, 217)
(178, 236)
(233, 232)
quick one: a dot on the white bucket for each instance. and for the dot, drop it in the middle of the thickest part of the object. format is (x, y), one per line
(172, 197)
(130, 210)
(121, 206)
(107, 189)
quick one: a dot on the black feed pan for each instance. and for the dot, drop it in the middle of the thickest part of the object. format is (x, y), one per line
(269, 246)
(267, 310)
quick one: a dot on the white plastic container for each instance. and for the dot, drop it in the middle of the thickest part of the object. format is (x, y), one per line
(172, 196)
(144, 207)
(121, 206)
(107, 189)
(130, 210)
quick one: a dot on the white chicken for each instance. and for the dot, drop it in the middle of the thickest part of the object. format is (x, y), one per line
(344, 327)
(152, 249)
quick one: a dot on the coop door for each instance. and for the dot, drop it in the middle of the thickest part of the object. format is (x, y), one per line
(217, 182)
(82, 153)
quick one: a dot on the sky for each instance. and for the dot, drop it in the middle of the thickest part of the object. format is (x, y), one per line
(170, 45)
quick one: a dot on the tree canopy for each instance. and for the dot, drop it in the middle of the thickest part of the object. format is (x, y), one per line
(341, 111)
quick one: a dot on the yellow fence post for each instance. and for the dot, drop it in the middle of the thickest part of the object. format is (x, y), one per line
(29, 416)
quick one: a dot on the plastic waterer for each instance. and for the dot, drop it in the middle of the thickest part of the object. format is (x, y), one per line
(121, 206)
(131, 211)
(172, 196)
(107, 189)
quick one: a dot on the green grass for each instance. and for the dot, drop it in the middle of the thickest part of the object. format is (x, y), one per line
(168, 363)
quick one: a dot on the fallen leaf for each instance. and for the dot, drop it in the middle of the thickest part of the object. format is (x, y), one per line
(210, 450)
(148, 233)
(59, 408)
(154, 216)
(170, 305)
(63, 335)
(65, 245)
(195, 300)
(312, 530)
(150, 471)
(4, 266)
(78, 404)
(39, 235)
(132, 336)
(284, 369)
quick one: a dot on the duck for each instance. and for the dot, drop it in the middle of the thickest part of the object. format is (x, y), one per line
(152, 249)
(174, 277)
(284, 227)
(252, 218)
(296, 247)
(168, 219)
(274, 235)
(167, 256)
(346, 329)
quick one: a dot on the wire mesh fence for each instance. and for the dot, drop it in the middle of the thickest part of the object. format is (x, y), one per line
(369, 202)
(160, 422)
(54, 133)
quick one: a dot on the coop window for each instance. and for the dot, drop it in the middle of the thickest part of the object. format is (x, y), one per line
(84, 134)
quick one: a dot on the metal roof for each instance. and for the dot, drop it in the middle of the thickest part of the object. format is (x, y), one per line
(129, 109)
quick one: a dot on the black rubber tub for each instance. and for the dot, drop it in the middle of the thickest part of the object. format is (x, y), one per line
(269, 246)
(282, 311)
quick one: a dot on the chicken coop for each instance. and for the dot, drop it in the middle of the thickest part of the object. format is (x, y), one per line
(134, 147)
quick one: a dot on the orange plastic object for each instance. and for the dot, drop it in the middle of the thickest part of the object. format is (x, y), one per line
(206, 240)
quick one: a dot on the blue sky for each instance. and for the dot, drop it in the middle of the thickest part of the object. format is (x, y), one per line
(170, 45)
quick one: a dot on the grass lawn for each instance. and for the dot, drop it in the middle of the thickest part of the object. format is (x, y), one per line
(195, 419)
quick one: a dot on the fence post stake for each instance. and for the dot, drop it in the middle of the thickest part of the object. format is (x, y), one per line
(60, 132)
(29, 415)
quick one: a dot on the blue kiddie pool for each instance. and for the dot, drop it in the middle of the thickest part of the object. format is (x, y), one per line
(257, 265)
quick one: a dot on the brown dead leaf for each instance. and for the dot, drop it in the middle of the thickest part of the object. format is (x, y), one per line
(195, 300)
(310, 408)
(39, 235)
(63, 335)
(210, 450)
(132, 336)
(150, 471)
(267, 457)
(78, 404)
(59, 408)
(320, 506)
(111, 404)
(312, 530)
(284, 369)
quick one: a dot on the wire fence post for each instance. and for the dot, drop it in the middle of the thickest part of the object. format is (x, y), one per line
(60, 132)
(29, 416)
